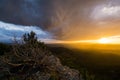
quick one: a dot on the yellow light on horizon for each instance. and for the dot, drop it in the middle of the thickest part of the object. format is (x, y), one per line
(104, 40)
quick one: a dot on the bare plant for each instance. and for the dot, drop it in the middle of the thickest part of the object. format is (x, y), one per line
(25, 58)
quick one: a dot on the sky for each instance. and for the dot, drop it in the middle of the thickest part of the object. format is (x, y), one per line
(60, 19)
(9, 32)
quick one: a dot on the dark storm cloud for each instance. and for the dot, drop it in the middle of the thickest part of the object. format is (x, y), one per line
(37, 12)
(25, 12)
(66, 19)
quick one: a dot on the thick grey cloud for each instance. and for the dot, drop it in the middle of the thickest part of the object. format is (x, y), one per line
(25, 12)
(66, 19)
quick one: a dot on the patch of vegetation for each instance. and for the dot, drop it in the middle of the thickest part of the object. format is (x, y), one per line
(23, 59)
(4, 48)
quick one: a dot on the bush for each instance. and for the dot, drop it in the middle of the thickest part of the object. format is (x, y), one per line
(25, 59)
(4, 48)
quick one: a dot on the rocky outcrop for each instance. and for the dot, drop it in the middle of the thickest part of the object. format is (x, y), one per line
(42, 67)
(61, 72)
(64, 72)
(33, 61)
(54, 70)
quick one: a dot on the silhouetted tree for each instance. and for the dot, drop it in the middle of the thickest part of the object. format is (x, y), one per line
(30, 38)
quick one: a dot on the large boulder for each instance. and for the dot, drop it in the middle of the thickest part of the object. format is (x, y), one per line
(63, 72)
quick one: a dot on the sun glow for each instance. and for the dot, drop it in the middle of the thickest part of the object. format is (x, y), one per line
(104, 41)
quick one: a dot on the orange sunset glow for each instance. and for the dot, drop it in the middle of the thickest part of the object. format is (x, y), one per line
(104, 40)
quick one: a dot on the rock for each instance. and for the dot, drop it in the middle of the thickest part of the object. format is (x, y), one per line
(39, 67)
(40, 76)
(70, 74)
(64, 73)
